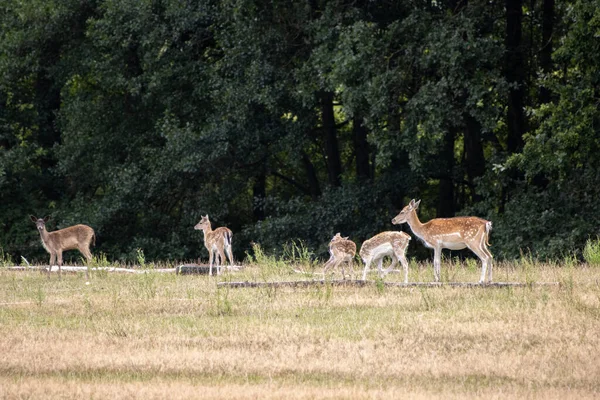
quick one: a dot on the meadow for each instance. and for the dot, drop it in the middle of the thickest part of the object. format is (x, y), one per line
(158, 335)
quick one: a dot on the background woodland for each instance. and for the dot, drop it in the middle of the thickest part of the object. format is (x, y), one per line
(296, 120)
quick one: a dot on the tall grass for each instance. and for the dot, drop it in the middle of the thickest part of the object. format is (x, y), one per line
(5, 259)
(591, 252)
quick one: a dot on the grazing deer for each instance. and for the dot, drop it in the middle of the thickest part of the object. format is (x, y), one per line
(217, 240)
(392, 244)
(450, 233)
(78, 237)
(341, 251)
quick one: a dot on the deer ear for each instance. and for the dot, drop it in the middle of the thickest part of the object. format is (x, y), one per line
(46, 218)
(33, 219)
(416, 205)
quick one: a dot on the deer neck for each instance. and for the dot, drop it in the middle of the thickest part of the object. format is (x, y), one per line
(45, 235)
(415, 225)
(207, 230)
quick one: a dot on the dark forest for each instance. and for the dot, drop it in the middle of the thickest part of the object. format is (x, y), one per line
(291, 121)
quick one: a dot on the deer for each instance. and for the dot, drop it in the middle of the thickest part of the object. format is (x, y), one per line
(392, 244)
(79, 237)
(218, 240)
(341, 250)
(455, 233)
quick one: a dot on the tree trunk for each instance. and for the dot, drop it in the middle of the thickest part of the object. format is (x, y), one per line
(311, 176)
(515, 74)
(445, 206)
(361, 149)
(473, 150)
(546, 50)
(332, 152)
(259, 193)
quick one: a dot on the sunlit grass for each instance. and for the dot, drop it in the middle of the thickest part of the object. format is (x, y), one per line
(160, 335)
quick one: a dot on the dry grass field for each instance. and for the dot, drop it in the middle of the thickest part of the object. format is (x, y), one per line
(164, 336)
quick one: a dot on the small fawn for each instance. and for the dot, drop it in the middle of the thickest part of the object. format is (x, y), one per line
(341, 251)
(78, 237)
(392, 244)
(217, 240)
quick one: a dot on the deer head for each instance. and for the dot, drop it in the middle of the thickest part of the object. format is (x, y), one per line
(337, 237)
(402, 217)
(204, 223)
(40, 223)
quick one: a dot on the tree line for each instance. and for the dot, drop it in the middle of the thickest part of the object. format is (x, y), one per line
(296, 120)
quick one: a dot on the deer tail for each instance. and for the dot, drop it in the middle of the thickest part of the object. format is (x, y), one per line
(488, 229)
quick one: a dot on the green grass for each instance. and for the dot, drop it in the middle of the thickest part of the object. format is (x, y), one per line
(160, 335)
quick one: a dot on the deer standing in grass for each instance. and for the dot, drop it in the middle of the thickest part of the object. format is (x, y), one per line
(391, 244)
(78, 237)
(218, 240)
(341, 251)
(450, 233)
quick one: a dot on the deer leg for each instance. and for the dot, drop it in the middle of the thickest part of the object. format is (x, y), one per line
(484, 256)
(364, 277)
(328, 265)
(221, 261)
(60, 261)
(52, 261)
(490, 270)
(437, 263)
(350, 267)
(488, 256)
(392, 265)
(88, 255)
(483, 269)
(229, 254)
(380, 267)
(210, 261)
(404, 263)
(347, 261)
(336, 264)
(490, 261)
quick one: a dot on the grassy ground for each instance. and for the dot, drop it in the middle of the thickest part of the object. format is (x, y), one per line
(166, 336)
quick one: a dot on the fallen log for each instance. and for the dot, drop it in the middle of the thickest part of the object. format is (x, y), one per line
(184, 269)
(75, 269)
(361, 283)
(203, 269)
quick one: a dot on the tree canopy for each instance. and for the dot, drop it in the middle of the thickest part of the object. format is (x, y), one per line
(296, 120)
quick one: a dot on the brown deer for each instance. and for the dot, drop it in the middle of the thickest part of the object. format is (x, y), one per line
(217, 240)
(78, 237)
(392, 244)
(341, 251)
(450, 233)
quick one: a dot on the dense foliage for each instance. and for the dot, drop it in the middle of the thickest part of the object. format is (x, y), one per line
(296, 120)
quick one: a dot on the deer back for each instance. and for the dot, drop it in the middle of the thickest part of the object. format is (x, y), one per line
(466, 227)
(384, 244)
(342, 247)
(218, 237)
(71, 238)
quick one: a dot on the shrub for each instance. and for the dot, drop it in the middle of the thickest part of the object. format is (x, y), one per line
(591, 251)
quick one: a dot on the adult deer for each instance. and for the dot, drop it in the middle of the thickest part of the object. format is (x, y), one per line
(218, 240)
(341, 251)
(450, 233)
(392, 244)
(78, 237)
